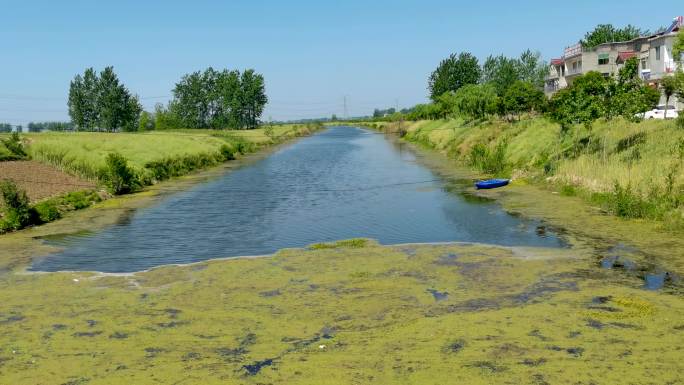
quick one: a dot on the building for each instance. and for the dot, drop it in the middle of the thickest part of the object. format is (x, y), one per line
(654, 53)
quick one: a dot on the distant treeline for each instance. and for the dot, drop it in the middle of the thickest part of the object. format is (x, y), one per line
(50, 126)
(5, 127)
(209, 99)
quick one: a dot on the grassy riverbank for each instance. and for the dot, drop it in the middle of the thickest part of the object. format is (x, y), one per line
(343, 314)
(84, 153)
(633, 170)
(63, 164)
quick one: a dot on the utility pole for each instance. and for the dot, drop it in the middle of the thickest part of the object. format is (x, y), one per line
(396, 104)
(345, 108)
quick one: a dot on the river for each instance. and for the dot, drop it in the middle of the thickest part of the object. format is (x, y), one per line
(340, 183)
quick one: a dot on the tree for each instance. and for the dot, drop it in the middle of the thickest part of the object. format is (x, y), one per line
(669, 86)
(165, 118)
(83, 94)
(522, 97)
(678, 46)
(476, 101)
(253, 97)
(453, 73)
(532, 69)
(582, 102)
(219, 99)
(629, 96)
(607, 33)
(191, 100)
(501, 72)
(447, 104)
(147, 122)
(102, 102)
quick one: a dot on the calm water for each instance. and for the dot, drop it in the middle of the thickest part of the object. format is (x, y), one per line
(341, 183)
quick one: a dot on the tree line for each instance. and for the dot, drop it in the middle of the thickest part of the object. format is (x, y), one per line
(511, 87)
(226, 99)
(502, 86)
(215, 99)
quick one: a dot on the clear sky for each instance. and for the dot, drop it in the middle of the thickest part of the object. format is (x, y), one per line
(312, 53)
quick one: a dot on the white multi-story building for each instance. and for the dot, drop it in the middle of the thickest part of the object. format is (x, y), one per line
(654, 53)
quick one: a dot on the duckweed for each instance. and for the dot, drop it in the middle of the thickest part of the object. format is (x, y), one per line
(308, 316)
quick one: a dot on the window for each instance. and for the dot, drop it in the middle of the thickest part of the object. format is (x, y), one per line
(657, 49)
(643, 64)
(603, 61)
(603, 58)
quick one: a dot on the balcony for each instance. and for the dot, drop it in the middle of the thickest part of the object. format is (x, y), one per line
(573, 71)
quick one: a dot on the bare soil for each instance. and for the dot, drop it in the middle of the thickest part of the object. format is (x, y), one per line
(41, 181)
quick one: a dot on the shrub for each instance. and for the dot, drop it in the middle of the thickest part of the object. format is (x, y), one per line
(243, 147)
(53, 209)
(119, 177)
(47, 211)
(226, 153)
(18, 213)
(625, 203)
(80, 199)
(15, 145)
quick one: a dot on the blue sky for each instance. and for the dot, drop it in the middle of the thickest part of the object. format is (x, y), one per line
(312, 53)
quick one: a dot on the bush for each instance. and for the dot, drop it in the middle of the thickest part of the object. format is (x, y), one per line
(47, 211)
(226, 153)
(80, 199)
(18, 213)
(119, 177)
(15, 145)
(243, 147)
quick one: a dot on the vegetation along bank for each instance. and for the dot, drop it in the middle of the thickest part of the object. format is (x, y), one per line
(86, 167)
(588, 139)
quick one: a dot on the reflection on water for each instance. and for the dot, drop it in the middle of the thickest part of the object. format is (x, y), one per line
(341, 183)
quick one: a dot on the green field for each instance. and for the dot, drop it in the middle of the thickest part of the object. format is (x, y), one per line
(84, 153)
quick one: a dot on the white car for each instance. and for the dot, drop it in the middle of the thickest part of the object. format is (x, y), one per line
(659, 113)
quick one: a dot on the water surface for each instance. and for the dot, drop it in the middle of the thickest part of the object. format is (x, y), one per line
(341, 183)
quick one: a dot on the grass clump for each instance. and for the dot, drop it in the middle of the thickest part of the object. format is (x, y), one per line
(354, 243)
(489, 160)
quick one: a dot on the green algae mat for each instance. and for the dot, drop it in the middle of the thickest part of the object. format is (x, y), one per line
(348, 313)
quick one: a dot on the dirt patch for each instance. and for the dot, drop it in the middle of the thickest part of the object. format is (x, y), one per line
(41, 181)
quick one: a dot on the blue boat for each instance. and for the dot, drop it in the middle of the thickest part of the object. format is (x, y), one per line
(491, 183)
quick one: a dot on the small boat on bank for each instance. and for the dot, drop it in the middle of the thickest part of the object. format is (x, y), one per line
(491, 183)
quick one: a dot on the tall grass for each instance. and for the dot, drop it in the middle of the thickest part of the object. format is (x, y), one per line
(164, 153)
